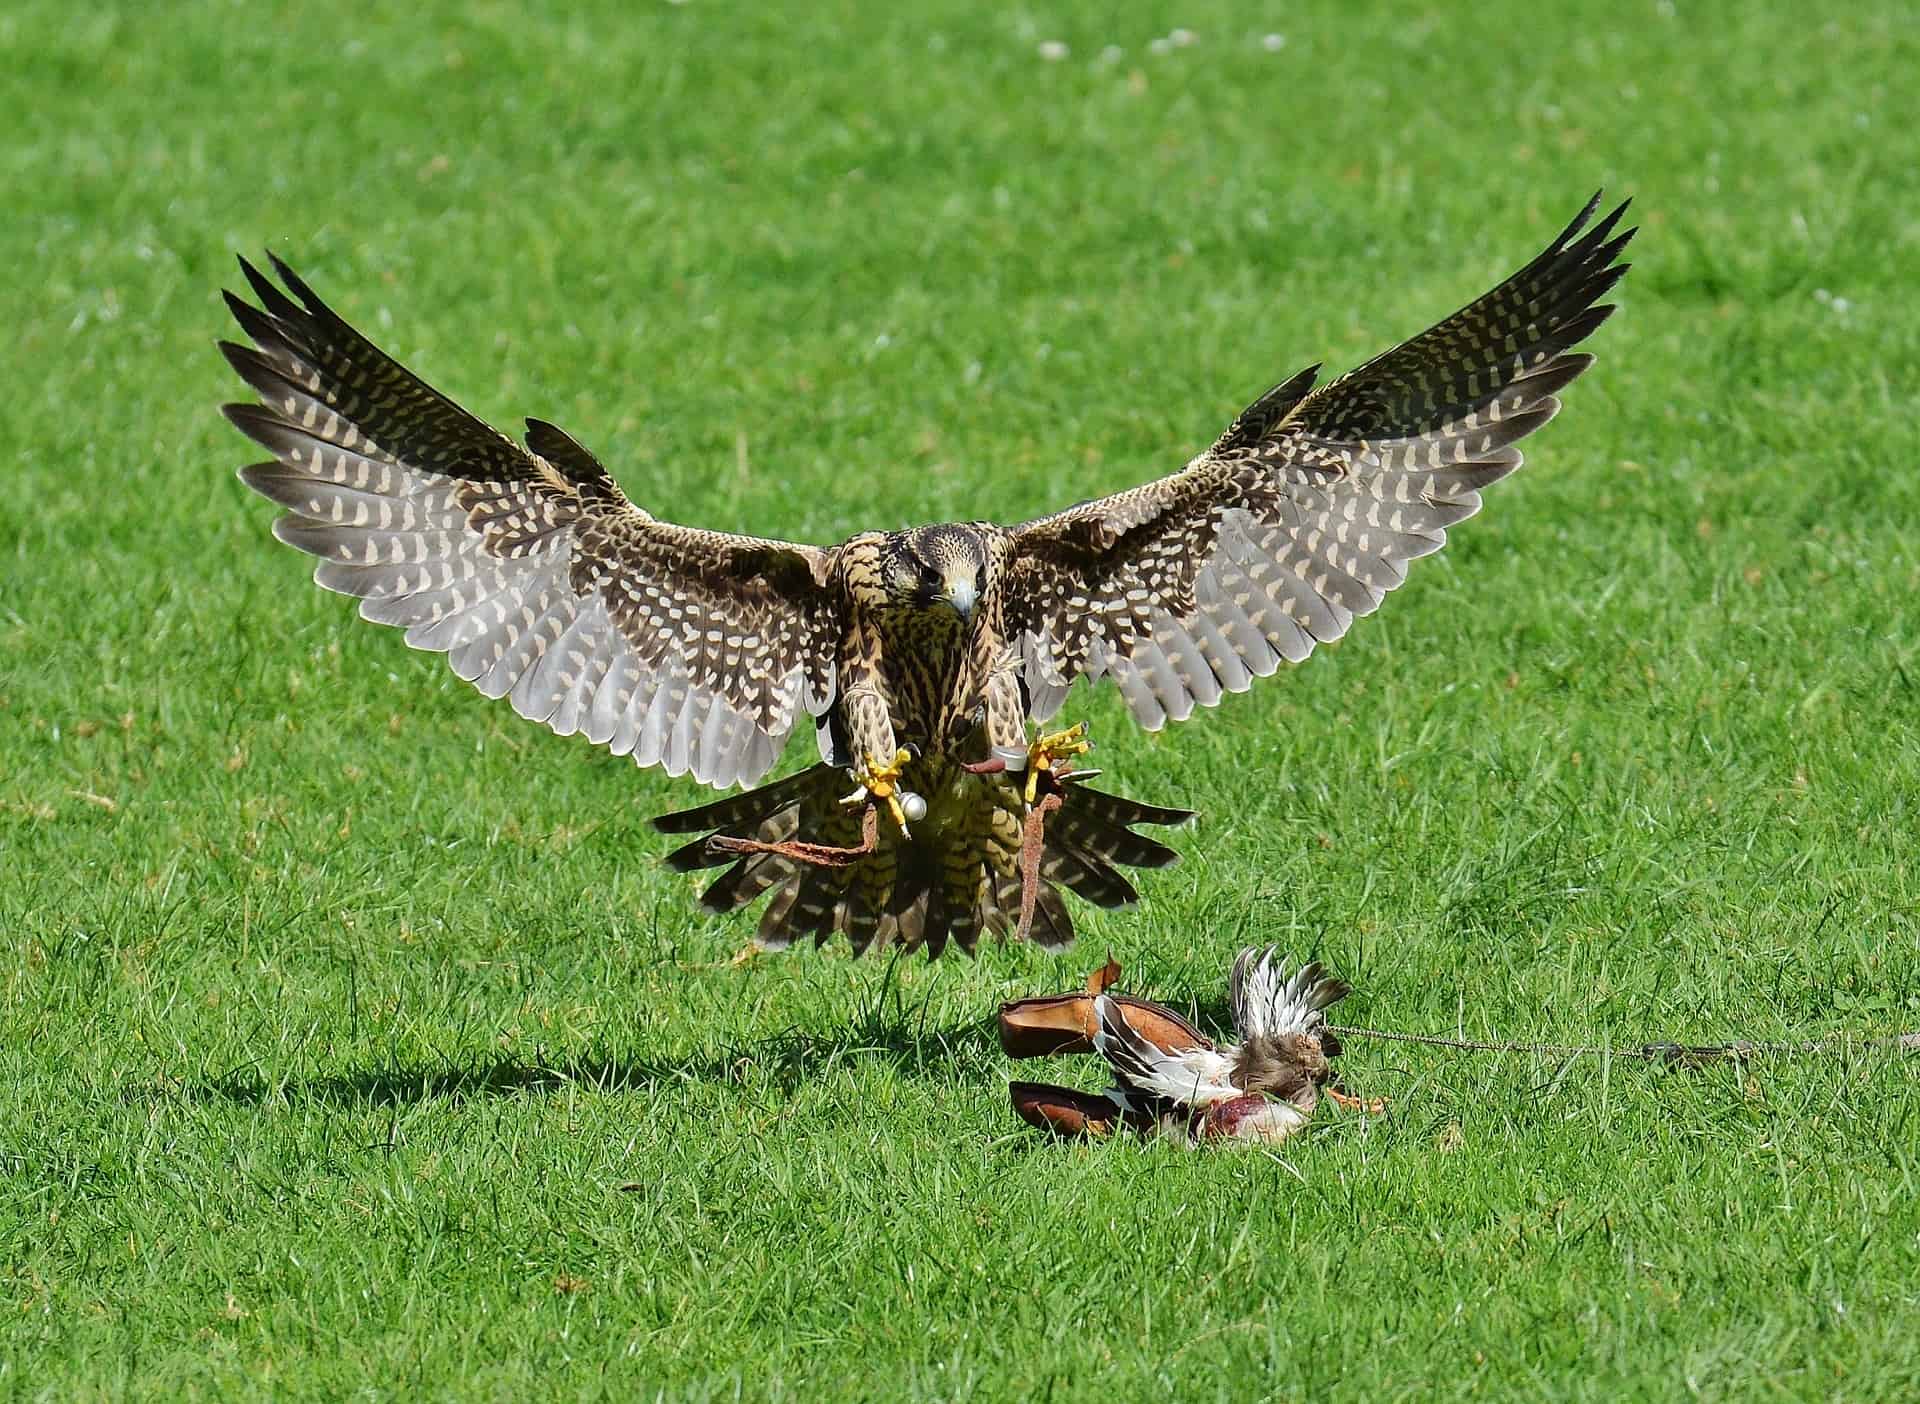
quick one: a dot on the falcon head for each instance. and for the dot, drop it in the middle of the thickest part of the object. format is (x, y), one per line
(933, 566)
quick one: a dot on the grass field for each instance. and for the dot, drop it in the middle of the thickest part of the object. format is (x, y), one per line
(354, 1043)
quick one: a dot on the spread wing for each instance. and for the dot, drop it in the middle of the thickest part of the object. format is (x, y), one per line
(1192, 1076)
(1267, 1000)
(691, 650)
(1306, 511)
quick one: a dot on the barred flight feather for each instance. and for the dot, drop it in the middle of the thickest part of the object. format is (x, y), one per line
(527, 567)
(1305, 513)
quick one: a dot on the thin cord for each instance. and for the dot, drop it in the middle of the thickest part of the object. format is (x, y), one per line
(1678, 1054)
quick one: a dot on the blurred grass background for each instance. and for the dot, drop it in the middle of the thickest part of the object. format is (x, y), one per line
(353, 1041)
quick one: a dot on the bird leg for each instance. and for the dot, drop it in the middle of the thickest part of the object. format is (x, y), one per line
(1048, 750)
(880, 782)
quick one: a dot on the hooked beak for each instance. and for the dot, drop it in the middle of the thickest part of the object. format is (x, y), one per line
(961, 593)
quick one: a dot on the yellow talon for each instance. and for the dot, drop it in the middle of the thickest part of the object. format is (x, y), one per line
(881, 781)
(1046, 753)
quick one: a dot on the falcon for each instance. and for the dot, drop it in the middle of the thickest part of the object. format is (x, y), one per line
(922, 657)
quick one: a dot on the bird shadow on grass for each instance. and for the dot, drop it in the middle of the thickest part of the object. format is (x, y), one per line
(783, 1062)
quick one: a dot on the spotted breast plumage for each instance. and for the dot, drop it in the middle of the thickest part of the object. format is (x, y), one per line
(924, 657)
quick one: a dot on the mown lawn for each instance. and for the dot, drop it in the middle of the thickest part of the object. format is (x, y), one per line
(353, 1042)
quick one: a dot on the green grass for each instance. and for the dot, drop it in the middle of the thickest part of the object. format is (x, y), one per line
(354, 1043)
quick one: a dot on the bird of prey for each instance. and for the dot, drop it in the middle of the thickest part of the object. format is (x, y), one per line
(1169, 1079)
(922, 656)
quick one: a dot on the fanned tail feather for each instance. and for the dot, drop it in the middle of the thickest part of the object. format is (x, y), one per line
(749, 808)
(902, 894)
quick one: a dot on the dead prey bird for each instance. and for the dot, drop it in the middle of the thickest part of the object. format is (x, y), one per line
(923, 657)
(1170, 1079)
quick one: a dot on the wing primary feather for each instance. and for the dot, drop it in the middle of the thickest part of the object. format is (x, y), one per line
(1266, 997)
(490, 552)
(1307, 510)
